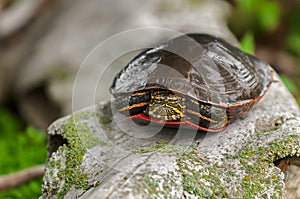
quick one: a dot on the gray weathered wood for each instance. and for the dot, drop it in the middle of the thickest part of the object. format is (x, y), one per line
(123, 161)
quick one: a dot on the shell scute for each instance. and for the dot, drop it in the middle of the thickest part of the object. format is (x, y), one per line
(197, 67)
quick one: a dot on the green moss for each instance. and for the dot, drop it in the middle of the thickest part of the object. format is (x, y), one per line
(283, 148)
(198, 176)
(254, 182)
(204, 182)
(105, 121)
(257, 159)
(246, 171)
(151, 184)
(85, 115)
(195, 177)
(158, 186)
(162, 147)
(79, 138)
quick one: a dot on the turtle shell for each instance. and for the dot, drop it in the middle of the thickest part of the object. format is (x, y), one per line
(203, 67)
(196, 79)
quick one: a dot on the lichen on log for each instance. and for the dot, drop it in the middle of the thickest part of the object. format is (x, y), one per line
(104, 156)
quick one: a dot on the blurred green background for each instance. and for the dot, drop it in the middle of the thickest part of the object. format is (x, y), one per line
(268, 28)
(21, 146)
(273, 27)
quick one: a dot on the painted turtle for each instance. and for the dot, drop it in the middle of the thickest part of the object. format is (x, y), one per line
(196, 79)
